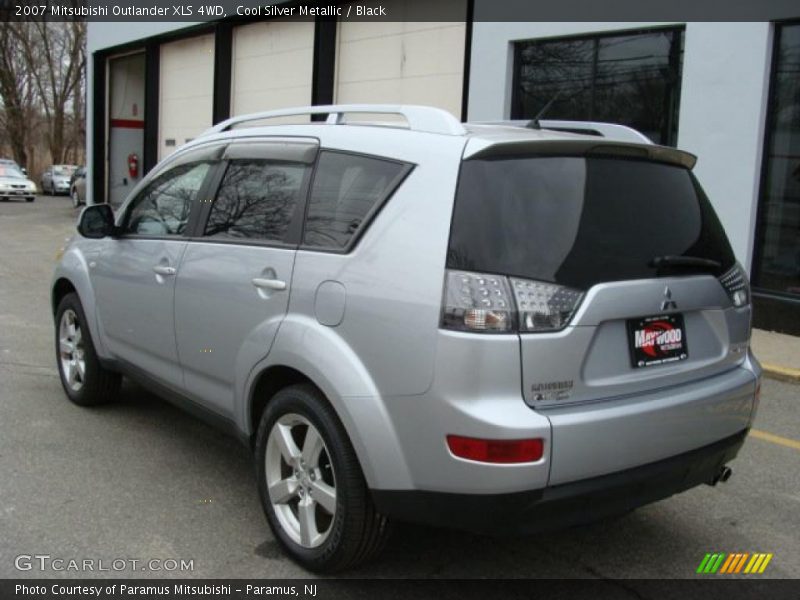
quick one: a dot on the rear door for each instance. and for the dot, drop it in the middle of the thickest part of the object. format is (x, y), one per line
(625, 286)
(234, 284)
(625, 254)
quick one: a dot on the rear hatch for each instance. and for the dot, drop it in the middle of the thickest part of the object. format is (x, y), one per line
(622, 276)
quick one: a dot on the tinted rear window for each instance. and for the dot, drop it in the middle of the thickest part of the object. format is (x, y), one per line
(579, 221)
(347, 188)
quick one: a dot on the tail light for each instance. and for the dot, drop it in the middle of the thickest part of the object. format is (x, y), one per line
(736, 285)
(476, 302)
(497, 304)
(544, 306)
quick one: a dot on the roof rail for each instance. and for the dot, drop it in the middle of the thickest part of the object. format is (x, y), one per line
(419, 118)
(611, 131)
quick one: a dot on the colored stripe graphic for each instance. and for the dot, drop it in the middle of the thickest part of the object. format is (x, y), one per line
(733, 563)
(703, 563)
(714, 563)
(764, 564)
(741, 562)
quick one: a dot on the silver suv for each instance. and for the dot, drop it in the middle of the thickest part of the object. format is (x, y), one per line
(489, 327)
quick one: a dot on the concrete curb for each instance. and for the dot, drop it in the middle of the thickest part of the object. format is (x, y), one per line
(781, 373)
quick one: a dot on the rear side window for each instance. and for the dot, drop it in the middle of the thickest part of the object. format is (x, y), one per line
(578, 221)
(346, 191)
(256, 200)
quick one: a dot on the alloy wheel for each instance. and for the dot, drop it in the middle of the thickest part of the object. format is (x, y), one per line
(300, 480)
(71, 350)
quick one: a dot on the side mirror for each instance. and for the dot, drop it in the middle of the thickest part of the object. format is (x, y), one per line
(96, 221)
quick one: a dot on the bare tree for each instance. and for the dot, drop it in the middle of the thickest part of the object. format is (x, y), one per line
(18, 89)
(55, 55)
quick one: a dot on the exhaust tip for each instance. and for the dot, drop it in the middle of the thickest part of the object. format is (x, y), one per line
(722, 475)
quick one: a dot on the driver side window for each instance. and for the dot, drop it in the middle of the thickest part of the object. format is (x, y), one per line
(163, 207)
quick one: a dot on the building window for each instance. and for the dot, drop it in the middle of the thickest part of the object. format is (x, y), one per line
(632, 78)
(777, 261)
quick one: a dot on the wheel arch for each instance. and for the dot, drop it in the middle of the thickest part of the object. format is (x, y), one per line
(72, 276)
(364, 418)
(61, 287)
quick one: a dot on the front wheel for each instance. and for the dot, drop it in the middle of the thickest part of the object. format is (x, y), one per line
(85, 381)
(76, 201)
(311, 485)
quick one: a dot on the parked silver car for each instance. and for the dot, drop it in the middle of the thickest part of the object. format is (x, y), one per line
(502, 329)
(77, 185)
(56, 179)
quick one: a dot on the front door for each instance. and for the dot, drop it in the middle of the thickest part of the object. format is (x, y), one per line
(134, 276)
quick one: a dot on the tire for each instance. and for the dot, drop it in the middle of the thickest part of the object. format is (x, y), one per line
(93, 384)
(355, 532)
(76, 201)
(30, 199)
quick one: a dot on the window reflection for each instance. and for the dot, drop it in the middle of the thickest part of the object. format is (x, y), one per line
(256, 200)
(346, 188)
(163, 207)
(632, 79)
(778, 258)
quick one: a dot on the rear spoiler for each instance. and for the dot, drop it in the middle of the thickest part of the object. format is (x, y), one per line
(478, 148)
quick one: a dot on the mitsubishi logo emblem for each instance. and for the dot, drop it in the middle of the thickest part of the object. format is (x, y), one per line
(668, 302)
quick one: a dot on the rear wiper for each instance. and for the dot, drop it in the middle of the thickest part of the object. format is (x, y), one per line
(685, 261)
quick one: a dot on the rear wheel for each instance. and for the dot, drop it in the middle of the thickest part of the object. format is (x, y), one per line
(85, 381)
(311, 485)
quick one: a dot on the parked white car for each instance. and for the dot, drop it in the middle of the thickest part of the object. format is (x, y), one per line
(15, 184)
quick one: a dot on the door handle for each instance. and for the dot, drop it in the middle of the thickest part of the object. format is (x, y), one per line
(269, 284)
(164, 270)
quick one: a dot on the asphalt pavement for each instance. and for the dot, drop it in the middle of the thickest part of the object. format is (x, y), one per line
(139, 480)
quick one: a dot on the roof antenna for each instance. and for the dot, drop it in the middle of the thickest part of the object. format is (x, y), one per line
(534, 123)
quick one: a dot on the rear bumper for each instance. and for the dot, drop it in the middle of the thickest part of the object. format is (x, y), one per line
(563, 505)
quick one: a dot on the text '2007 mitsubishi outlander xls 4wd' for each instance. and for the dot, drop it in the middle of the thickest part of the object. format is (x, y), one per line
(496, 328)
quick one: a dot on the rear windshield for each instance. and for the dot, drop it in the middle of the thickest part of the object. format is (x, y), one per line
(578, 221)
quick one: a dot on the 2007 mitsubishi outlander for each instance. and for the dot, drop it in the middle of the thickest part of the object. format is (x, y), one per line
(489, 327)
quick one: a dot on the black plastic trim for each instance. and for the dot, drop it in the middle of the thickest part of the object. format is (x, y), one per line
(563, 505)
(178, 399)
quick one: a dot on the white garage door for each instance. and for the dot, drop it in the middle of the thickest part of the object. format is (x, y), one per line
(401, 62)
(273, 64)
(186, 90)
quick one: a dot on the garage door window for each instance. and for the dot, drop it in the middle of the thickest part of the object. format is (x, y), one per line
(632, 78)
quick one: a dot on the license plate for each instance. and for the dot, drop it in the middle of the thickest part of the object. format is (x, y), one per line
(657, 340)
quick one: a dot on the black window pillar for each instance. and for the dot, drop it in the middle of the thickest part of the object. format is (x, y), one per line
(152, 78)
(99, 149)
(324, 63)
(223, 66)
